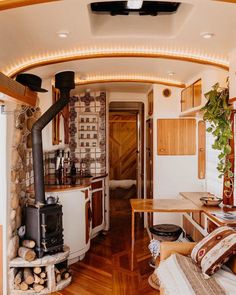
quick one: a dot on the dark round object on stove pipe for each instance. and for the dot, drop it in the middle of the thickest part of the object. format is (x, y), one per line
(65, 80)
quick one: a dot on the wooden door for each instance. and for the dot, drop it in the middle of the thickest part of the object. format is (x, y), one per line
(149, 159)
(122, 145)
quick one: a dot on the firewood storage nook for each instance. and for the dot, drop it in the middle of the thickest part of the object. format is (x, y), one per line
(44, 275)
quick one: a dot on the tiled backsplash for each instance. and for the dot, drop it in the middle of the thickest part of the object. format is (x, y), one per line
(88, 132)
(49, 165)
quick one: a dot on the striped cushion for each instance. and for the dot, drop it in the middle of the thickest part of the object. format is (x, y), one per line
(215, 249)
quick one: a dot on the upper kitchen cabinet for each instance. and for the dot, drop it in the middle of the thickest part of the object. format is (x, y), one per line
(197, 93)
(187, 98)
(191, 96)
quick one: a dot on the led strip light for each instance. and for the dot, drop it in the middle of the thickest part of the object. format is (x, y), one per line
(119, 51)
(131, 77)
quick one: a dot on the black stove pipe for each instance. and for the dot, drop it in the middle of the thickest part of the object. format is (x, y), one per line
(64, 81)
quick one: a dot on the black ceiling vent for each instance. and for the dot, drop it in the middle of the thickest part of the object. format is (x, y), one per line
(148, 8)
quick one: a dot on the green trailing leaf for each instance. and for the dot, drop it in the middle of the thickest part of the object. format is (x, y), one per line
(227, 149)
(217, 112)
(209, 129)
(227, 183)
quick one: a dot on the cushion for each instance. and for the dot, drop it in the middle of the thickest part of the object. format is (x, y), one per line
(179, 275)
(215, 249)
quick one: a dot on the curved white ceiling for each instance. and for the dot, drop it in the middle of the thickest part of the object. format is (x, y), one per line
(28, 35)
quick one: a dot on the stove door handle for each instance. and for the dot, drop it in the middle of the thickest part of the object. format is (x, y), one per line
(44, 245)
(44, 227)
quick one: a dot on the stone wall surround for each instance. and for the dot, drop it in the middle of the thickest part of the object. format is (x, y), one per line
(22, 178)
(21, 171)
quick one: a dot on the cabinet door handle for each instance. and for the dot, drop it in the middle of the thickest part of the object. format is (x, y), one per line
(162, 150)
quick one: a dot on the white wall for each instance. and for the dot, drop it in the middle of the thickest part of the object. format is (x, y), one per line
(172, 174)
(45, 101)
(209, 78)
(128, 97)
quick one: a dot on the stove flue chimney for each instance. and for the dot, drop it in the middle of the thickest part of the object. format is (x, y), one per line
(64, 81)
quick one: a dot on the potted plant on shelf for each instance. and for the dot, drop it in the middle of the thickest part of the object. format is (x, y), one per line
(218, 112)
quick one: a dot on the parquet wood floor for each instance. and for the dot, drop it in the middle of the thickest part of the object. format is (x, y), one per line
(105, 269)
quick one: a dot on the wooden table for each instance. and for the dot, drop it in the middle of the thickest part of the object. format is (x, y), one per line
(160, 205)
(194, 197)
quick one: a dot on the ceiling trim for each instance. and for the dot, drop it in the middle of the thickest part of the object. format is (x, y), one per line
(130, 80)
(110, 52)
(9, 4)
(227, 1)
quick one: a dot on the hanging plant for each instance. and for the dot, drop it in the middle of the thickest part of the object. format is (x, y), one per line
(217, 112)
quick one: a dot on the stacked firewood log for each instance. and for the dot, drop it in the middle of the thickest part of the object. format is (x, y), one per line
(26, 250)
(61, 274)
(30, 278)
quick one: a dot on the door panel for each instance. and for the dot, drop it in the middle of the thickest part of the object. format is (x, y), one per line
(149, 159)
(97, 208)
(88, 219)
(123, 146)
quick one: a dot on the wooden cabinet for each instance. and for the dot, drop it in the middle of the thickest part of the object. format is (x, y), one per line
(88, 217)
(201, 149)
(187, 98)
(191, 97)
(196, 222)
(197, 93)
(176, 136)
(211, 225)
(98, 205)
(191, 232)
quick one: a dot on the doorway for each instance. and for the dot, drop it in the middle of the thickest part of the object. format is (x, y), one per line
(149, 159)
(126, 128)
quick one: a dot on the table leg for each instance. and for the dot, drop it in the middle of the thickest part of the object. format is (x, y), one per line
(132, 241)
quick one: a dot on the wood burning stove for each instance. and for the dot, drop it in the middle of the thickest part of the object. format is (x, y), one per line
(44, 226)
(43, 221)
